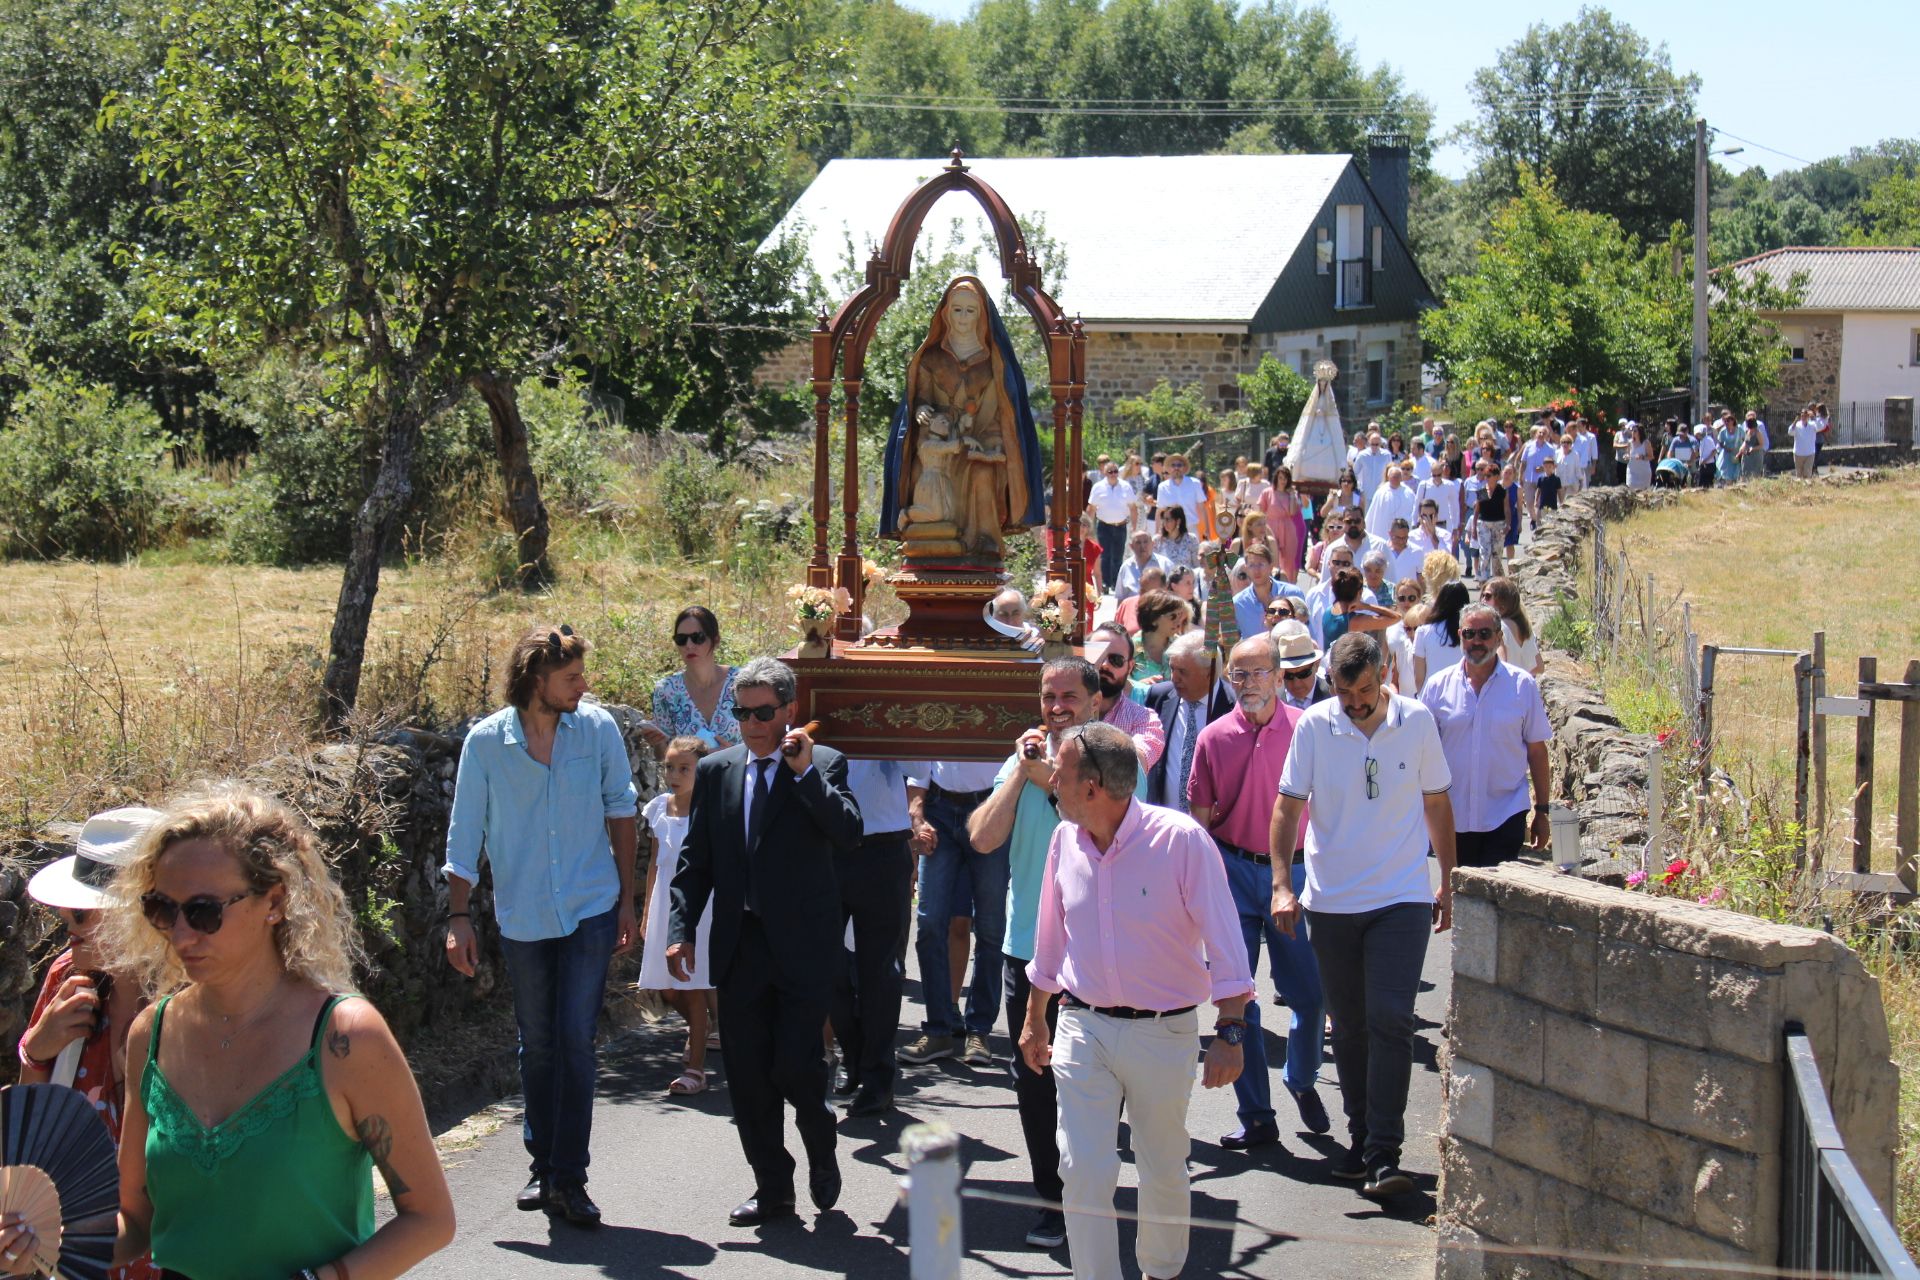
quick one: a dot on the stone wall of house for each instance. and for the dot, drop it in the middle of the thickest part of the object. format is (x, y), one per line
(1815, 378)
(1615, 1072)
(1130, 364)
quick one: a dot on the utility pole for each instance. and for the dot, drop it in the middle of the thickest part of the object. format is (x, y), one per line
(1700, 269)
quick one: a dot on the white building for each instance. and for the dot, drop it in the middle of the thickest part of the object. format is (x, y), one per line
(1855, 338)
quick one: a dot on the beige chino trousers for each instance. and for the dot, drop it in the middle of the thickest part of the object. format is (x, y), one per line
(1102, 1064)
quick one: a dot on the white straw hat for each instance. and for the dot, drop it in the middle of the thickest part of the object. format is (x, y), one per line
(79, 881)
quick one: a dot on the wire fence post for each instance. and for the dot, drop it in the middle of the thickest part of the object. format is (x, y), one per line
(1803, 744)
(1656, 805)
(1650, 623)
(932, 1153)
(1863, 774)
(1819, 749)
(1906, 838)
(1709, 655)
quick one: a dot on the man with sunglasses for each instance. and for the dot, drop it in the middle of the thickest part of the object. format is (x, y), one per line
(1114, 505)
(770, 819)
(1236, 770)
(1494, 730)
(545, 794)
(1110, 649)
(1367, 770)
(1320, 599)
(1300, 682)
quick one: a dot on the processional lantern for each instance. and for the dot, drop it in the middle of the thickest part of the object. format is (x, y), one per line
(963, 473)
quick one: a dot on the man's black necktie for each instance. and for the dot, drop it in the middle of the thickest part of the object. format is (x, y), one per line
(757, 822)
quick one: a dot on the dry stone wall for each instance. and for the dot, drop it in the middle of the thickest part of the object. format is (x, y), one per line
(381, 811)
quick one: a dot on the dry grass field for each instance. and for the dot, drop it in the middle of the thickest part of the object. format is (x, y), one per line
(1766, 566)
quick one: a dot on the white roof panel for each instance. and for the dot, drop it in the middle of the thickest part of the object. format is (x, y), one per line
(1185, 239)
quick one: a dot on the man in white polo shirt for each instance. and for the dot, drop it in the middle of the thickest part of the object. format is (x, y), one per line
(1367, 767)
(1182, 490)
(1113, 504)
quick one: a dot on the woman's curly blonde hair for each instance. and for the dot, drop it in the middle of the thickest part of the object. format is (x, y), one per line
(317, 938)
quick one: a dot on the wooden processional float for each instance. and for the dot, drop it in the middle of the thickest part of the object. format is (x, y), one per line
(962, 475)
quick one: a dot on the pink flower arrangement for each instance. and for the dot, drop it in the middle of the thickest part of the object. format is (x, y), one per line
(1636, 878)
(1712, 896)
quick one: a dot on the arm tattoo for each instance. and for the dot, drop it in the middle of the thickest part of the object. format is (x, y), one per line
(339, 1043)
(376, 1135)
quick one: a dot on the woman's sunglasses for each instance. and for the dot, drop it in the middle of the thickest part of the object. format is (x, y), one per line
(204, 914)
(681, 639)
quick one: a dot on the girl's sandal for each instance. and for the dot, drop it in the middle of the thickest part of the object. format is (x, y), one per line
(689, 1083)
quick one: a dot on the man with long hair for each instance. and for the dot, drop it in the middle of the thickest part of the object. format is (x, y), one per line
(545, 793)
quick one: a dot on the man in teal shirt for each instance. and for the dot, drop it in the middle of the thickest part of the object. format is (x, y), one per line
(1020, 814)
(545, 794)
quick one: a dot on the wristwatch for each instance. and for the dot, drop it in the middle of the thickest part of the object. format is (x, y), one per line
(1233, 1033)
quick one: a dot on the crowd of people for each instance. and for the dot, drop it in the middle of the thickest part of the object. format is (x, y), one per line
(1283, 738)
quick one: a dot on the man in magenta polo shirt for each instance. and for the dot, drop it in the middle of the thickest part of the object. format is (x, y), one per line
(1135, 930)
(1231, 791)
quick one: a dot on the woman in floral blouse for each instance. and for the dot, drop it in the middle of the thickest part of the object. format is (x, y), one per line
(696, 701)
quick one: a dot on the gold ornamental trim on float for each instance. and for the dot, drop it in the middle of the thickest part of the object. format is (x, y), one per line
(927, 717)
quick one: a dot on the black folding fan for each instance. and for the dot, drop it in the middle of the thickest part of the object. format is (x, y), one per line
(59, 1172)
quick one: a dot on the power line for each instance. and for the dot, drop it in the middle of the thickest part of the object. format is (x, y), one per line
(1764, 147)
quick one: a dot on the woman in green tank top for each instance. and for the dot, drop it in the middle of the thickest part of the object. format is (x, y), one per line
(264, 1098)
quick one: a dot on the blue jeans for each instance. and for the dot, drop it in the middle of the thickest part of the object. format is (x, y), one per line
(1296, 976)
(986, 874)
(558, 985)
(1371, 962)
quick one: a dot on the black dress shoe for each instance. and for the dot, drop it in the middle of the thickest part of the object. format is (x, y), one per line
(1241, 1139)
(571, 1201)
(870, 1102)
(534, 1196)
(845, 1082)
(823, 1183)
(756, 1210)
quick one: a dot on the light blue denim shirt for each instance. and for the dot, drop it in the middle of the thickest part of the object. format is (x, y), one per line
(543, 828)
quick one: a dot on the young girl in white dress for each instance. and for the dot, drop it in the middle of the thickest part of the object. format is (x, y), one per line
(666, 816)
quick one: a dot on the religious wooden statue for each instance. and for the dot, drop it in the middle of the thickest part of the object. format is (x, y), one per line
(963, 458)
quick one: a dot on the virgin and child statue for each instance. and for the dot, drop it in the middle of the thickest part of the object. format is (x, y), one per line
(963, 459)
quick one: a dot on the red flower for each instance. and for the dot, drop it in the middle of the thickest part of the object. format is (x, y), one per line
(1675, 869)
(1662, 736)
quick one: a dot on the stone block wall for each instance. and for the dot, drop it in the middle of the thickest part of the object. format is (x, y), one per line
(1122, 364)
(1815, 378)
(1615, 1072)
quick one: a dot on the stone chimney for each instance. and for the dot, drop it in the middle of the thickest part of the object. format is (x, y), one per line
(1389, 165)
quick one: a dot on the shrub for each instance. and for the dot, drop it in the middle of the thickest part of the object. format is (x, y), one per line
(79, 473)
(567, 438)
(695, 497)
(1275, 395)
(1166, 410)
(314, 461)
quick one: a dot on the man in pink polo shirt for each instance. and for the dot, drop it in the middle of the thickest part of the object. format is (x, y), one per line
(1231, 792)
(1133, 909)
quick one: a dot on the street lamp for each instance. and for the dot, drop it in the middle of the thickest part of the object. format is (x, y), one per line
(1700, 154)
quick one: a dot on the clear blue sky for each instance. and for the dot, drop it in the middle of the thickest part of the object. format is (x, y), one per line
(1809, 80)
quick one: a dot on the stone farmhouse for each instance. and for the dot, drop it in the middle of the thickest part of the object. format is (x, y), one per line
(1188, 268)
(1855, 339)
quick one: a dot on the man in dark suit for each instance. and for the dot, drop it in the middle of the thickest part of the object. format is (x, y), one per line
(761, 841)
(1189, 700)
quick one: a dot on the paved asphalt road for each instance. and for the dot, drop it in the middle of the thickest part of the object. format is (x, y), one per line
(666, 1170)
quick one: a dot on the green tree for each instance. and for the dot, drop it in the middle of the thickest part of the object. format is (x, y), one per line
(1275, 393)
(1891, 212)
(438, 194)
(1296, 55)
(1594, 104)
(69, 189)
(1763, 223)
(899, 60)
(1744, 348)
(1561, 298)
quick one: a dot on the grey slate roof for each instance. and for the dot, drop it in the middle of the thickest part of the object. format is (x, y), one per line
(1844, 279)
(1181, 239)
